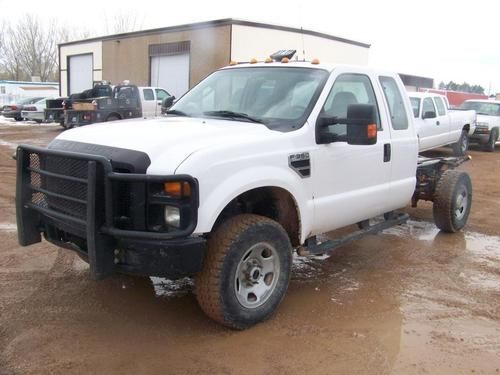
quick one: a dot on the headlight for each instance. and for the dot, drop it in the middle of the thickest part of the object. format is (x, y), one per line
(172, 216)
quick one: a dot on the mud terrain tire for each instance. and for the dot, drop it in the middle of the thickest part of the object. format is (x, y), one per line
(231, 271)
(452, 201)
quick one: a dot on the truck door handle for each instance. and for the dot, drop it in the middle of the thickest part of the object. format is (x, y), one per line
(438, 123)
(387, 152)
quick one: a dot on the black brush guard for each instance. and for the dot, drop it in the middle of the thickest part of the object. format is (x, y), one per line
(75, 194)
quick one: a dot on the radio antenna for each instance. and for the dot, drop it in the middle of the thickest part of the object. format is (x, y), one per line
(302, 34)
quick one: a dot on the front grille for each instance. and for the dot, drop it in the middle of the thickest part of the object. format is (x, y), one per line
(59, 184)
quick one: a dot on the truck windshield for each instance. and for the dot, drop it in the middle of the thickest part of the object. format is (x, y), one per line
(280, 98)
(415, 104)
(483, 108)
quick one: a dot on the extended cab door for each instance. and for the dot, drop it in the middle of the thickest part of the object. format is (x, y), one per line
(148, 102)
(350, 183)
(404, 143)
(445, 134)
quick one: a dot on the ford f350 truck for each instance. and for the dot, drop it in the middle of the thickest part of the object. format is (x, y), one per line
(253, 163)
(438, 126)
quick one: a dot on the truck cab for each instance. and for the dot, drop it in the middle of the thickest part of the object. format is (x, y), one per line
(152, 99)
(253, 163)
(437, 125)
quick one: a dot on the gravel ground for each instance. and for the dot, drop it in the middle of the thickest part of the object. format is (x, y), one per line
(409, 301)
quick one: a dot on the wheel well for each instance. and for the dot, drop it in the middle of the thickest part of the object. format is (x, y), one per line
(466, 128)
(272, 202)
(114, 114)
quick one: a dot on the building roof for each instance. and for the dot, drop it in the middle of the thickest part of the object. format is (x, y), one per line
(22, 83)
(215, 23)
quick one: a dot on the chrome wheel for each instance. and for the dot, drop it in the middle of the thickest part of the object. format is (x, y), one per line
(461, 203)
(257, 275)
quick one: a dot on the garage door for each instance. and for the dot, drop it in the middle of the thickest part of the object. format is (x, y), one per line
(171, 73)
(80, 73)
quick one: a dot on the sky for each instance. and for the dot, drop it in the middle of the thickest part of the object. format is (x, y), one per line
(441, 39)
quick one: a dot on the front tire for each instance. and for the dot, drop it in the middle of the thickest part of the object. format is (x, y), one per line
(246, 271)
(452, 201)
(461, 147)
(490, 146)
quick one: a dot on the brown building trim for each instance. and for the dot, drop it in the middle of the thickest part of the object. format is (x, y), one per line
(214, 23)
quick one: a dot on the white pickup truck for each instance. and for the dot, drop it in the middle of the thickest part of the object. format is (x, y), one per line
(439, 126)
(488, 122)
(252, 163)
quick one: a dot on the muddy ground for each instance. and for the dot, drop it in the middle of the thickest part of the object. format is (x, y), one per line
(409, 301)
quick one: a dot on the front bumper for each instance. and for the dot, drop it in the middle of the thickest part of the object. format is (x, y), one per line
(481, 134)
(75, 201)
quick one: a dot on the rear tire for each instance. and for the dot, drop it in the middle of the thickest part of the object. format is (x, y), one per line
(452, 201)
(490, 146)
(246, 271)
(113, 118)
(461, 147)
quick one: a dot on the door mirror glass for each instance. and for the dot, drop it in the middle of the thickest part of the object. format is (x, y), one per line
(429, 114)
(362, 126)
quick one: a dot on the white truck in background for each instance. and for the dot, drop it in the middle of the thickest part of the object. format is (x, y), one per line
(488, 122)
(251, 164)
(439, 126)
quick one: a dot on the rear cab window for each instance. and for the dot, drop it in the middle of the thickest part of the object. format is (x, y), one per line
(440, 106)
(399, 119)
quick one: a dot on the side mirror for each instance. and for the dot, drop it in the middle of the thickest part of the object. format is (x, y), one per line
(429, 114)
(362, 124)
(168, 102)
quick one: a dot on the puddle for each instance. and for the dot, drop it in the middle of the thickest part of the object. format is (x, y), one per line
(8, 227)
(11, 145)
(476, 254)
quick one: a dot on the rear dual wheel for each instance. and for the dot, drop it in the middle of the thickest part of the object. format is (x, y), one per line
(246, 271)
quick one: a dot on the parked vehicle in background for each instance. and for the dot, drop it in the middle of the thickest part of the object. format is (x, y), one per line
(251, 164)
(455, 98)
(54, 110)
(439, 126)
(14, 110)
(488, 122)
(35, 111)
(125, 101)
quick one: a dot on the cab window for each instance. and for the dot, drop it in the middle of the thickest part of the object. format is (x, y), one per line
(148, 94)
(428, 106)
(161, 94)
(440, 106)
(399, 119)
(348, 89)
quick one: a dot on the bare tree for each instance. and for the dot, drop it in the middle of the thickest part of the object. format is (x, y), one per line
(122, 22)
(29, 48)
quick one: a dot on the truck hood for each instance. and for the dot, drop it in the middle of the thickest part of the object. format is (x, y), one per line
(171, 139)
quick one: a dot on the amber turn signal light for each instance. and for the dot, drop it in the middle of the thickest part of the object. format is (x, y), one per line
(177, 189)
(371, 131)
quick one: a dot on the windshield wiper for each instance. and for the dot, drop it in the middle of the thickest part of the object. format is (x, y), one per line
(176, 112)
(234, 115)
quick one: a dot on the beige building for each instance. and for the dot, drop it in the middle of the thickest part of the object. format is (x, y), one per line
(178, 57)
